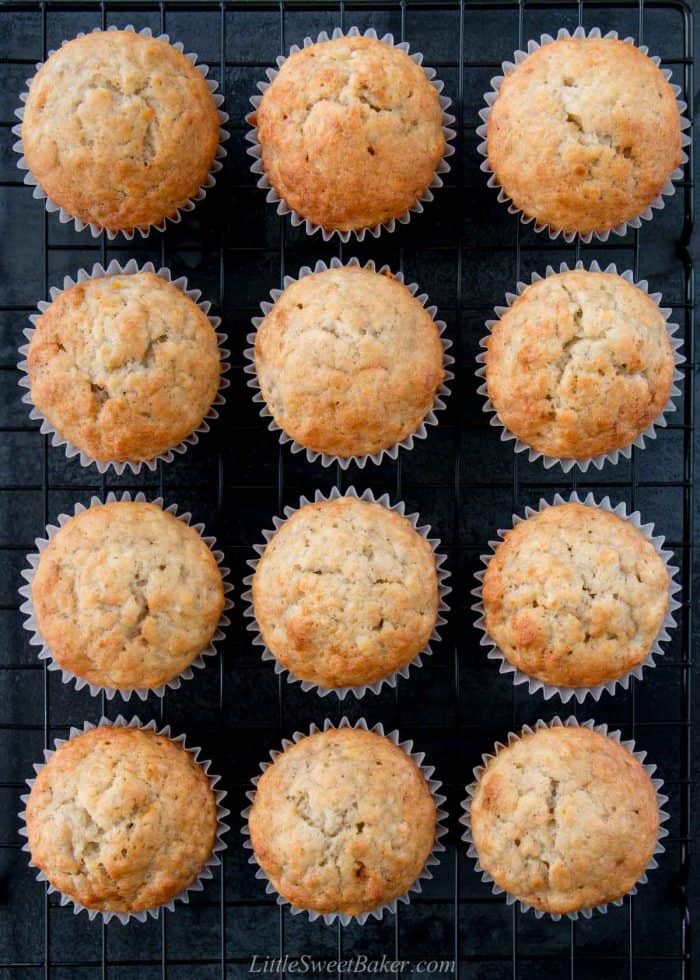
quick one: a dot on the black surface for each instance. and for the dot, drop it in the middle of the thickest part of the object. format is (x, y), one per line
(466, 252)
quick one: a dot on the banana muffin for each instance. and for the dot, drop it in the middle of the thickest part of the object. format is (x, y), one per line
(350, 132)
(349, 362)
(343, 821)
(126, 595)
(121, 819)
(119, 129)
(584, 134)
(580, 365)
(346, 593)
(564, 819)
(575, 596)
(124, 367)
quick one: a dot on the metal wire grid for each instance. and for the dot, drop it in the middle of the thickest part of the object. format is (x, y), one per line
(288, 481)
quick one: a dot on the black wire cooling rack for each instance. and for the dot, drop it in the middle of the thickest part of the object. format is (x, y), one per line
(466, 251)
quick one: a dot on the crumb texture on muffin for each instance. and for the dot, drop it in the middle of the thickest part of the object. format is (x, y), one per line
(580, 365)
(351, 132)
(346, 592)
(348, 361)
(575, 596)
(119, 129)
(565, 819)
(584, 134)
(125, 367)
(121, 819)
(126, 595)
(342, 821)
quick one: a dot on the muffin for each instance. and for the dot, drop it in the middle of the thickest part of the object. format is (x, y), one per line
(119, 129)
(564, 819)
(126, 595)
(349, 362)
(342, 822)
(124, 367)
(575, 596)
(580, 365)
(350, 132)
(121, 819)
(346, 593)
(584, 134)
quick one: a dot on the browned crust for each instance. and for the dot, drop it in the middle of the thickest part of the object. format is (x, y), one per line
(343, 821)
(126, 595)
(346, 592)
(580, 364)
(124, 367)
(348, 361)
(584, 134)
(121, 819)
(351, 132)
(565, 819)
(119, 129)
(575, 596)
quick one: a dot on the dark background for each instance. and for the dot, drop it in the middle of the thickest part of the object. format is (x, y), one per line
(466, 251)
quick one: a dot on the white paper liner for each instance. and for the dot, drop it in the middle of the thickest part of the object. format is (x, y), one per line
(98, 271)
(95, 230)
(568, 463)
(297, 219)
(221, 814)
(440, 829)
(569, 236)
(570, 722)
(392, 451)
(391, 679)
(580, 693)
(45, 653)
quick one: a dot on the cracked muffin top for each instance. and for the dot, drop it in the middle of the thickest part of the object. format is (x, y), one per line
(565, 819)
(580, 365)
(342, 821)
(350, 132)
(124, 367)
(584, 134)
(126, 595)
(575, 596)
(119, 129)
(121, 819)
(346, 592)
(348, 361)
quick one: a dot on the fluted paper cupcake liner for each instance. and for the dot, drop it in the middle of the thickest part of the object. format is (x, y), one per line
(297, 219)
(491, 96)
(95, 230)
(392, 451)
(359, 690)
(568, 463)
(440, 830)
(663, 635)
(119, 466)
(221, 814)
(45, 652)
(570, 722)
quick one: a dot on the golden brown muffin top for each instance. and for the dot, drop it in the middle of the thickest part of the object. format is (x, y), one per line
(119, 129)
(575, 596)
(565, 819)
(126, 595)
(584, 134)
(121, 819)
(351, 132)
(342, 821)
(125, 367)
(580, 365)
(348, 361)
(346, 592)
